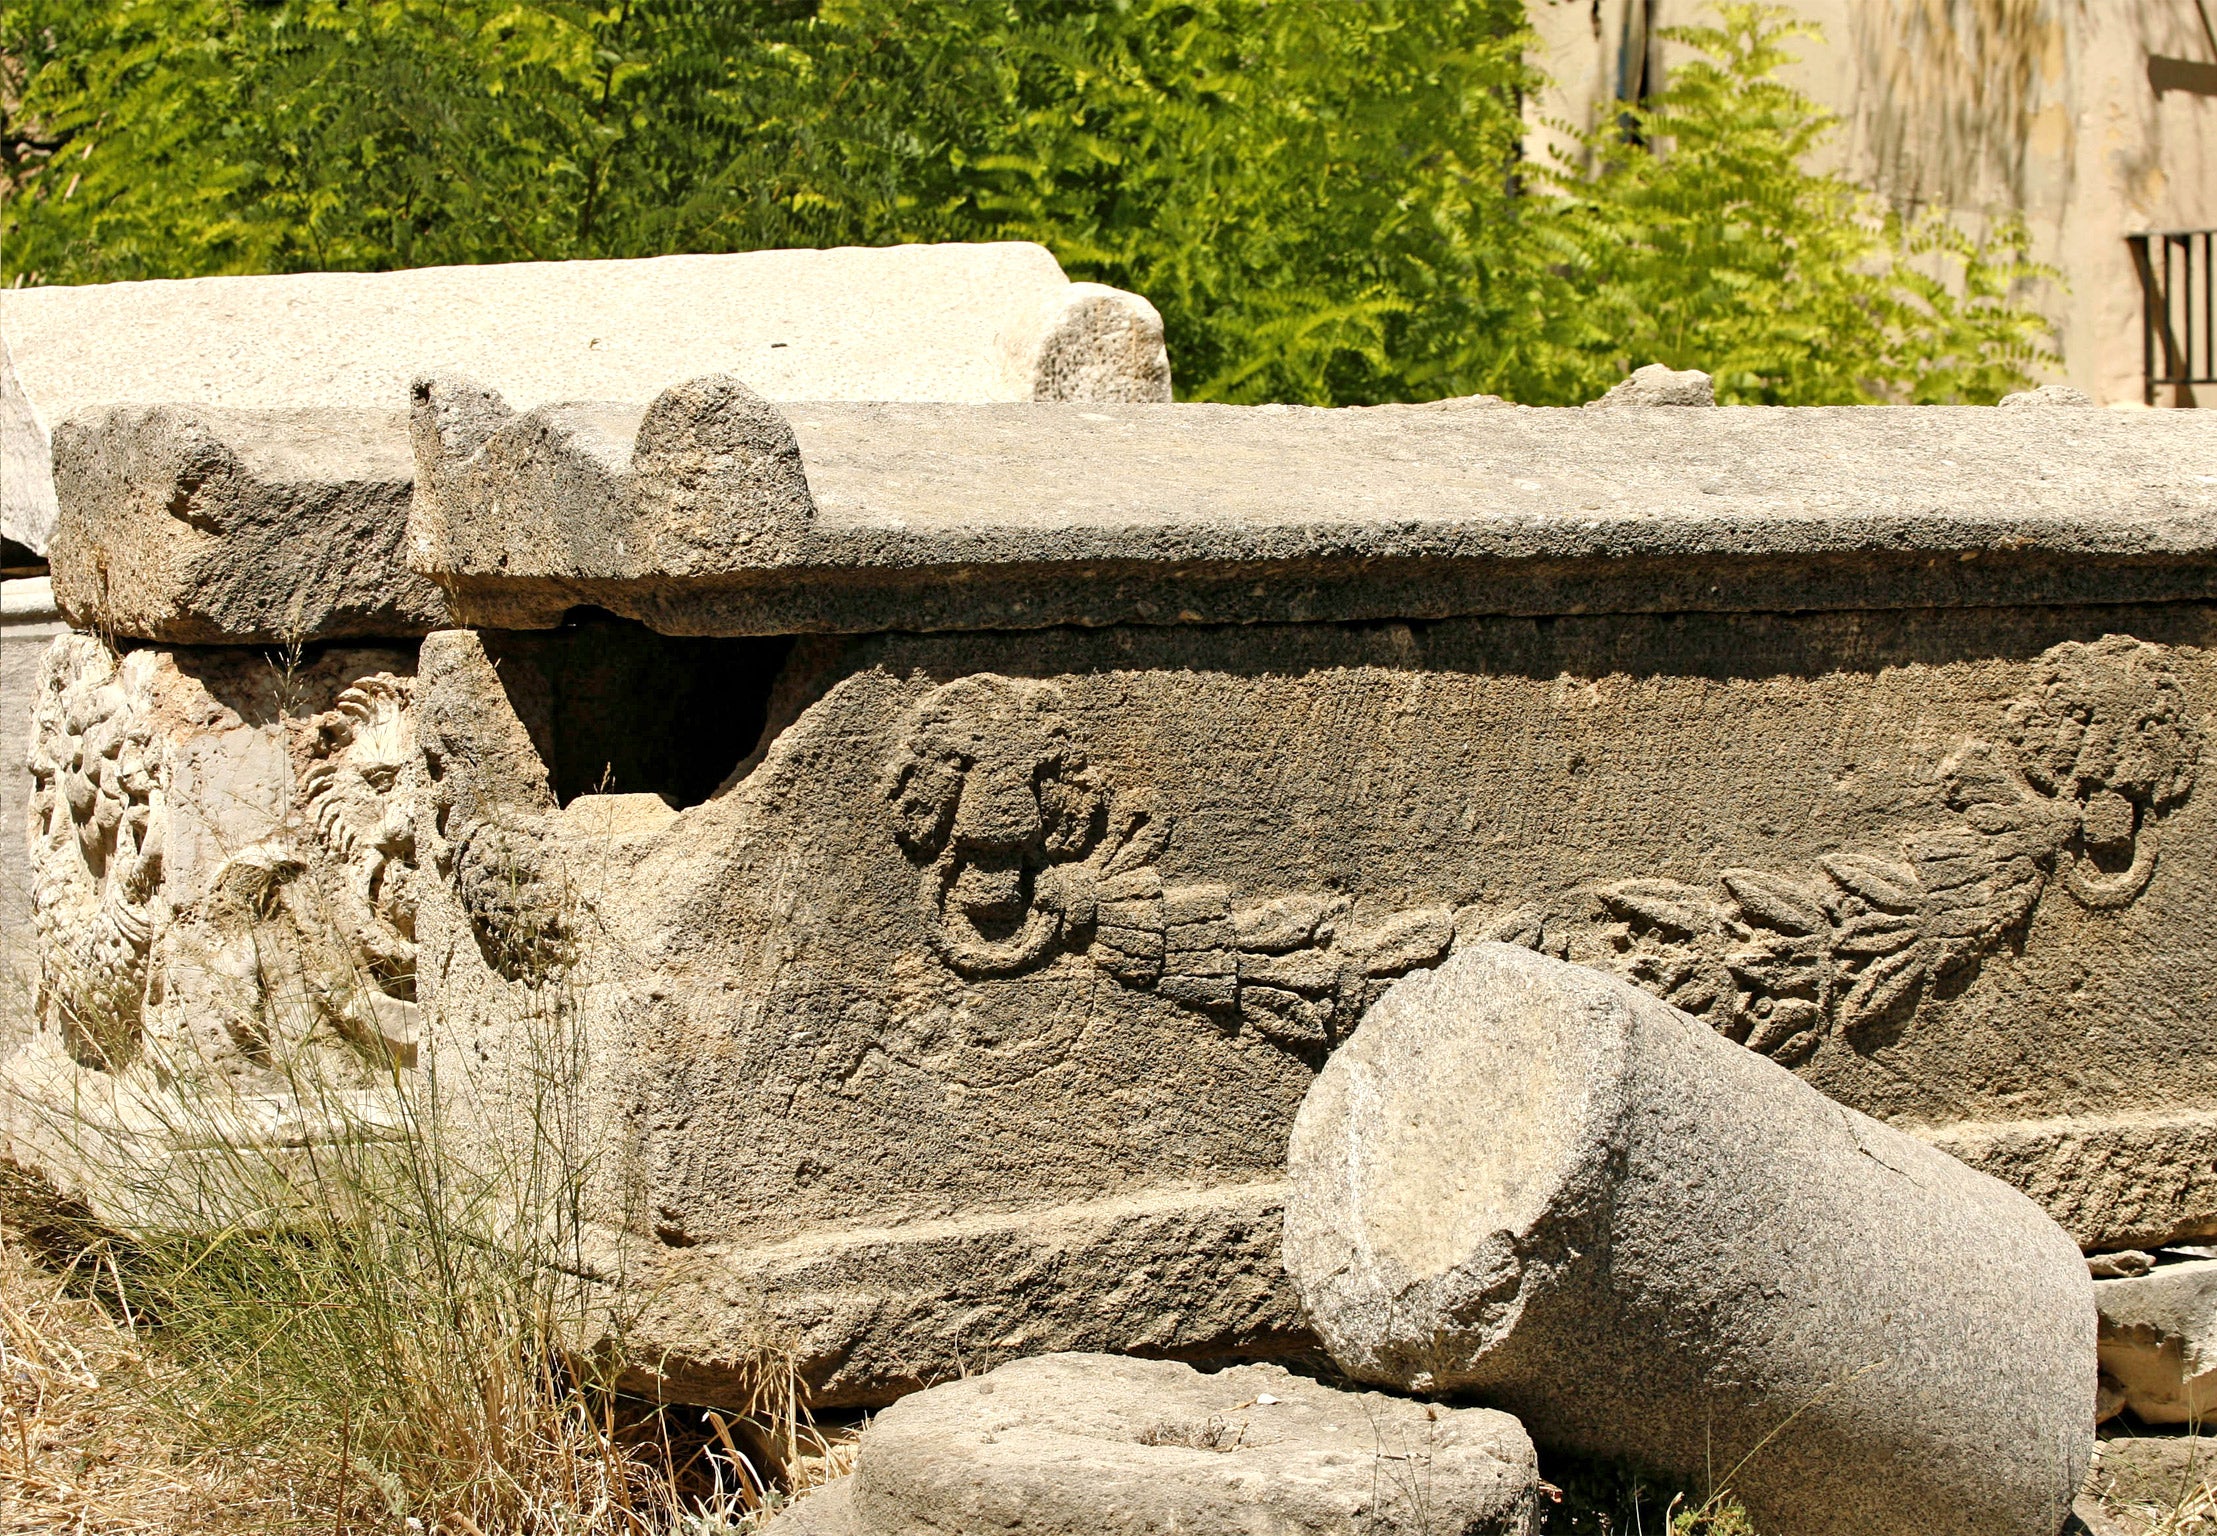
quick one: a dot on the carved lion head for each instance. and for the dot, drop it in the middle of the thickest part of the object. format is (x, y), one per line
(989, 791)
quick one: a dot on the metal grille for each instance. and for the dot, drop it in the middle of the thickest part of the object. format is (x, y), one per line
(2178, 322)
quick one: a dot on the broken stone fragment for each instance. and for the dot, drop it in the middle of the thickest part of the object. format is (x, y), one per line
(1088, 341)
(2046, 394)
(2159, 1340)
(1658, 385)
(202, 526)
(2124, 1264)
(1537, 1185)
(1104, 1445)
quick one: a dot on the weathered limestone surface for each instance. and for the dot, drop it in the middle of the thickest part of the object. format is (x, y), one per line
(209, 526)
(28, 624)
(950, 995)
(995, 321)
(1544, 1187)
(222, 853)
(2113, 1181)
(2159, 1341)
(1658, 385)
(702, 514)
(1101, 1445)
(970, 1017)
(26, 483)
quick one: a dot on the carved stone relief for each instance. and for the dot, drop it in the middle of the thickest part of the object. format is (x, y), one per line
(98, 821)
(1027, 850)
(206, 886)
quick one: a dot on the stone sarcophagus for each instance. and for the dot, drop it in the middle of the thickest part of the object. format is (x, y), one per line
(965, 831)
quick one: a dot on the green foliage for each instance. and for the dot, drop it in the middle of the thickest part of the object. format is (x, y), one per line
(1717, 250)
(1325, 197)
(1315, 192)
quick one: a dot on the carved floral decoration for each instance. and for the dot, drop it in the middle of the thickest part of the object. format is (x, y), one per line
(1027, 850)
(2091, 758)
(98, 820)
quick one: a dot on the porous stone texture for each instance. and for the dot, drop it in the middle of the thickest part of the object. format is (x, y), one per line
(994, 321)
(1546, 1188)
(2159, 1341)
(2140, 1177)
(2046, 395)
(1658, 385)
(1072, 917)
(1101, 1445)
(29, 622)
(1088, 342)
(869, 517)
(205, 526)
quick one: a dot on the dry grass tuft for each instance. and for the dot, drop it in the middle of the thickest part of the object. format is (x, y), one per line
(2152, 1485)
(80, 1450)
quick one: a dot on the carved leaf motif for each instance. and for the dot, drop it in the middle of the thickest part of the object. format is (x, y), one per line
(1881, 882)
(1881, 988)
(1774, 902)
(1791, 1022)
(1137, 831)
(1875, 933)
(1781, 964)
(1665, 904)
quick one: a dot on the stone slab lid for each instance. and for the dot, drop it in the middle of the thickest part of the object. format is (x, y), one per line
(712, 512)
(206, 526)
(975, 322)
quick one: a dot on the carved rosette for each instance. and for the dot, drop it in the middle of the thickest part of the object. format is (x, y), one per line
(97, 823)
(1026, 850)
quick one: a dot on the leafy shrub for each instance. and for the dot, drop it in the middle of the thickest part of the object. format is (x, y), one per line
(1326, 198)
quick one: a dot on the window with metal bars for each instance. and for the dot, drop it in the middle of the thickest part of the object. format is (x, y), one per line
(2178, 322)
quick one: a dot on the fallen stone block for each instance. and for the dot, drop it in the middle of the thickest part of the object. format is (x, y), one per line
(991, 321)
(1104, 1445)
(1545, 1189)
(207, 527)
(2159, 1341)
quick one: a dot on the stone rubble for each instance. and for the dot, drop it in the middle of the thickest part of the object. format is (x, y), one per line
(2158, 1341)
(1658, 385)
(1543, 1189)
(1104, 1445)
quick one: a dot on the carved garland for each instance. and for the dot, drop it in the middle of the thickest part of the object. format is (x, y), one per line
(1026, 851)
